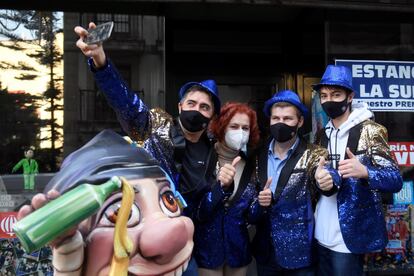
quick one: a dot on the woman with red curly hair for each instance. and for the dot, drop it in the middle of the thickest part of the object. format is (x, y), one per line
(221, 237)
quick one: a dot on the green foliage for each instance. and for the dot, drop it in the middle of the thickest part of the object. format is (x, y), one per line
(44, 28)
(26, 76)
(20, 126)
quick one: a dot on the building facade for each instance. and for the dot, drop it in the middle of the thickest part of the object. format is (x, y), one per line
(251, 48)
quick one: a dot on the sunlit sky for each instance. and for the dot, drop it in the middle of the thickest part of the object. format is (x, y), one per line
(23, 32)
(36, 86)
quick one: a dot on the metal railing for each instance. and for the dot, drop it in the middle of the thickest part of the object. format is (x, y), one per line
(93, 106)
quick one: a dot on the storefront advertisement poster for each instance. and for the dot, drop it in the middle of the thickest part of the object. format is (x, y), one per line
(405, 196)
(403, 153)
(383, 85)
(13, 259)
(7, 220)
(397, 255)
(319, 117)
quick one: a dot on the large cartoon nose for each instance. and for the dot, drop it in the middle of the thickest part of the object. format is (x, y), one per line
(162, 238)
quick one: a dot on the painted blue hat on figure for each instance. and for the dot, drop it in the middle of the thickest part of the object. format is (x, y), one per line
(287, 96)
(210, 86)
(337, 75)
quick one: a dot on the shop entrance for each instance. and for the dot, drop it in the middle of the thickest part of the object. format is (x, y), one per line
(249, 59)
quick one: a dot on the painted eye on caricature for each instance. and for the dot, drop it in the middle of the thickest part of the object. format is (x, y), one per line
(111, 214)
(169, 204)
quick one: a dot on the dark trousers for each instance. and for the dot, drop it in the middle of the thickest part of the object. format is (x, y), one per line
(331, 263)
(270, 270)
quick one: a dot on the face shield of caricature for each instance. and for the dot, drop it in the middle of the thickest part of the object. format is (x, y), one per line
(162, 238)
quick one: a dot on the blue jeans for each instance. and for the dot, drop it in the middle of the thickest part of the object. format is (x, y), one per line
(192, 269)
(331, 263)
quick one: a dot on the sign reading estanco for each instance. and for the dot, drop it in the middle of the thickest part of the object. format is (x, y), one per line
(383, 85)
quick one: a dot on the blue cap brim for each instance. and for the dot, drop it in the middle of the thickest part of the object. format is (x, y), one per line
(318, 86)
(269, 103)
(216, 100)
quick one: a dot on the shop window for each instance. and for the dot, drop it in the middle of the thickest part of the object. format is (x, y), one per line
(121, 22)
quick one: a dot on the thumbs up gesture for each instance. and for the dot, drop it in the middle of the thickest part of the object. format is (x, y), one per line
(322, 176)
(265, 196)
(227, 173)
(352, 167)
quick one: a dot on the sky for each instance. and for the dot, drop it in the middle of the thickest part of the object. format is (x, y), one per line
(21, 31)
(36, 86)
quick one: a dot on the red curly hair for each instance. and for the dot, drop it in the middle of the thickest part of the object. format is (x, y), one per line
(219, 124)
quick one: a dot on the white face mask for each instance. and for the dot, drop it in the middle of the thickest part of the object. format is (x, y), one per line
(237, 139)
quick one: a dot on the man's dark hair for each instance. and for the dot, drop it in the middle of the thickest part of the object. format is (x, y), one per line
(348, 91)
(197, 88)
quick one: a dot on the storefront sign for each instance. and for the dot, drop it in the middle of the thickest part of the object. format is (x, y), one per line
(403, 153)
(405, 196)
(7, 220)
(383, 85)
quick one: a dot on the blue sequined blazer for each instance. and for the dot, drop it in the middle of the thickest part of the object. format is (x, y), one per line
(221, 235)
(154, 130)
(286, 226)
(360, 210)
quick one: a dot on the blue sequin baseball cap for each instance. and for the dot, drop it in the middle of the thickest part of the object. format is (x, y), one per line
(287, 96)
(337, 75)
(210, 86)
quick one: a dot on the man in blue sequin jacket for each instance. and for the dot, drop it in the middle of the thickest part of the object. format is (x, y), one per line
(349, 216)
(287, 164)
(182, 146)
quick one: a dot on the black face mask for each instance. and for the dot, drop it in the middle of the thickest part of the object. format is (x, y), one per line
(283, 132)
(335, 109)
(193, 121)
